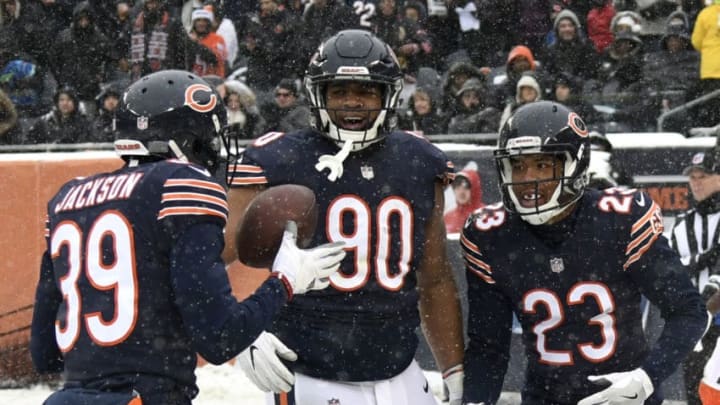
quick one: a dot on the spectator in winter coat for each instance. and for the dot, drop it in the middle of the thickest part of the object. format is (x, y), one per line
(80, 56)
(676, 65)
(457, 75)
(598, 24)
(519, 60)
(422, 116)
(706, 40)
(22, 24)
(30, 87)
(225, 28)
(287, 112)
(622, 64)
(157, 41)
(467, 189)
(107, 102)
(671, 74)
(409, 40)
(570, 53)
(64, 124)
(271, 49)
(473, 114)
(243, 115)
(528, 91)
(203, 62)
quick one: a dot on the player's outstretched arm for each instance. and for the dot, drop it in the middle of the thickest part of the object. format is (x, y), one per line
(440, 312)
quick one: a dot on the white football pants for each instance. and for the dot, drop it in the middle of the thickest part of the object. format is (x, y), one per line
(407, 388)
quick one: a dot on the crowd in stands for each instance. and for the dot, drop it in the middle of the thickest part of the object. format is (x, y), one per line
(468, 63)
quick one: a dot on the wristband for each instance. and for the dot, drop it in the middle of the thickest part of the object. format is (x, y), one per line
(285, 283)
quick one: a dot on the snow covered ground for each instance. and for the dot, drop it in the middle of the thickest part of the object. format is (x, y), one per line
(219, 385)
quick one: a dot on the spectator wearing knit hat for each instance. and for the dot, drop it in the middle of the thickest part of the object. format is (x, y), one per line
(571, 53)
(519, 61)
(203, 62)
(528, 90)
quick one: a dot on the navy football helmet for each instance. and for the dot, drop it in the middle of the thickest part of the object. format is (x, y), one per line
(171, 114)
(546, 128)
(354, 55)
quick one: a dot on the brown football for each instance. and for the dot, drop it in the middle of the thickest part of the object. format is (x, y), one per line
(260, 230)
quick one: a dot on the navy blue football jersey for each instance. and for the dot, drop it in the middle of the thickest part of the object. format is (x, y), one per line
(576, 287)
(363, 326)
(132, 281)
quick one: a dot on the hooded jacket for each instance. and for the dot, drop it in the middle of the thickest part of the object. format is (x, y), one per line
(598, 26)
(455, 218)
(81, 54)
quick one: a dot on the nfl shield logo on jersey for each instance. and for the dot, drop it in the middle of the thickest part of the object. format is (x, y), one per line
(142, 123)
(333, 401)
(367, 172)
(557, 265)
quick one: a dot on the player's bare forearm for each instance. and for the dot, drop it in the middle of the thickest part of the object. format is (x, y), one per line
(441, 322)
(238, 200)
(440, 313)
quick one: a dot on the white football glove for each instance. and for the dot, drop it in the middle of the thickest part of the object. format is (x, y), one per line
(626, 388)
(261, 364)
(306, 269)
(453, 379)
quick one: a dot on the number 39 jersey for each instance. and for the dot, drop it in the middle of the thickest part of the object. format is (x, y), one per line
(575, 287)
(362, 327)
(132, 281)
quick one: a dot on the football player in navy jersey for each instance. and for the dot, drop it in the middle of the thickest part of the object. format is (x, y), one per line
(572, 264)
(132, 284)
(381, 192)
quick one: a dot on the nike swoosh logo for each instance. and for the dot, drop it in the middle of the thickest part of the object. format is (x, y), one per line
(252, 357)
(630, 397)
(426, 387)
(641, 202)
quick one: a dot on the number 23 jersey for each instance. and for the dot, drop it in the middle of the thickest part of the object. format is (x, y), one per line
(575, 287)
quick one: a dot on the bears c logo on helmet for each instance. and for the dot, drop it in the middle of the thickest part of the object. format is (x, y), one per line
(577, 124)
(192, 103)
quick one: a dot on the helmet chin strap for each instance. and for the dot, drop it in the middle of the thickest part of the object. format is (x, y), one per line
(334, 162)
(177, 151)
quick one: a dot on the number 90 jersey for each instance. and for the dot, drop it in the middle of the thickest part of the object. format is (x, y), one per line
(363, 326)
(575, 287)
